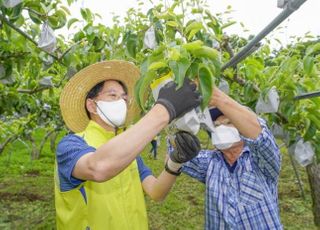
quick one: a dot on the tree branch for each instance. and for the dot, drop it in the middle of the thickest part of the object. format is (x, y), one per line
(36, 12)
(32, 91)
(68, 50)
(25, 35)
(13, 55)
(18, 30)
(6, 142)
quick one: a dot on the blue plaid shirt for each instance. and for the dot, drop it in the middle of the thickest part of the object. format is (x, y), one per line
(248, 197)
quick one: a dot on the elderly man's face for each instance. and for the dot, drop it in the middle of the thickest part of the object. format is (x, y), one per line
(112, 91)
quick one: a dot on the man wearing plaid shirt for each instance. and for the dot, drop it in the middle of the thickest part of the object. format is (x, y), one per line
(241, 175)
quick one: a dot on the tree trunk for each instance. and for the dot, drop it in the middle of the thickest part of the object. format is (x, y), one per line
(34, 151)
(53, 139)
(43, 142)
(6, 142)
(313, 171)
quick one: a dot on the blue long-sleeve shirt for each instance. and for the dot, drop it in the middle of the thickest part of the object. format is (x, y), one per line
(246, 198)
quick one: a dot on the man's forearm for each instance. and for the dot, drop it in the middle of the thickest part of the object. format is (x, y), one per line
(242, 118)
(158, 188)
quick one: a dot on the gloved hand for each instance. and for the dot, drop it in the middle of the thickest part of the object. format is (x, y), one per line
(187, 146)
(178, 102)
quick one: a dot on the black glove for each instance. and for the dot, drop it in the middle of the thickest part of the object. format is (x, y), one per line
(187, 147)
(180, 101)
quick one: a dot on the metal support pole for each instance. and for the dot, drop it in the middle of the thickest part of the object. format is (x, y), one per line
(296, 172)
(307, 95)
(297, 176)
(291, 6)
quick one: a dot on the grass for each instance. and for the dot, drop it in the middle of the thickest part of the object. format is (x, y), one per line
(27, 195)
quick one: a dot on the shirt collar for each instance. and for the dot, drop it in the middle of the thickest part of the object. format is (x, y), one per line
(218, 153)
(98, 130)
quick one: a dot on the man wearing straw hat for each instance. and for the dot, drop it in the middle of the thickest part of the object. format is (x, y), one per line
(100, 178)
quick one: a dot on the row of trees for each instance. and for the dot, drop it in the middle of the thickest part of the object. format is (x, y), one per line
(185, 39)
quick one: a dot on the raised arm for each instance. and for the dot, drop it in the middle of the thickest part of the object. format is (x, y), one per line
(187, 146)
(265, 152)
(115, 155)
(255, 132)
(243, 119)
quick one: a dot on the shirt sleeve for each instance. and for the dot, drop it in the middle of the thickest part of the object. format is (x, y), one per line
(265, 152)
(198, 166)
(144, 171)
(70, 149)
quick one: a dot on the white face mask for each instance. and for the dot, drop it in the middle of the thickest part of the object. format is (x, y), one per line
(114, 113)
(224, 137)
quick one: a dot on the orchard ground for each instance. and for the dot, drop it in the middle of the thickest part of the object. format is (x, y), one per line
(27, 194)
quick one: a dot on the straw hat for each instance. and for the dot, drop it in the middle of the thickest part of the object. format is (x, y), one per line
(73, 95)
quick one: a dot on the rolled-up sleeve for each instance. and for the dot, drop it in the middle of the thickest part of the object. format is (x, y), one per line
(197, 167)
(144, 171)
(265, 152)
(70, 149)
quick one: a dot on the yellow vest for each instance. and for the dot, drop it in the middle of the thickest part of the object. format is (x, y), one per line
(117, 204)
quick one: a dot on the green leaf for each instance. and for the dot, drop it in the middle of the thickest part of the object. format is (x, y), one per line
(51, 93)
(157, 65)
(70, 1)
(89, 29)
(205, 52)
(308, 63)
(144, 66)
(145, 85)
(143, 70)
(214, 24)
(2, 72)
(86, 14)
(310, 132)
(212, 69)
(312, 49)
(248, 91)
(314, 119)
(228, 24)
(193, 27)
(206, 84)
(137, 91)
(66, 10)
(20, 21)
(192, 33)
(71, 21)
(174, 54)
(58, 19)
(98, 44)
(192, 46)
(179, 69)
(35, 16)
(6, 70)
(15, 12)
(172, 23)
(44, 8)
(131, 44)
(193, 70)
